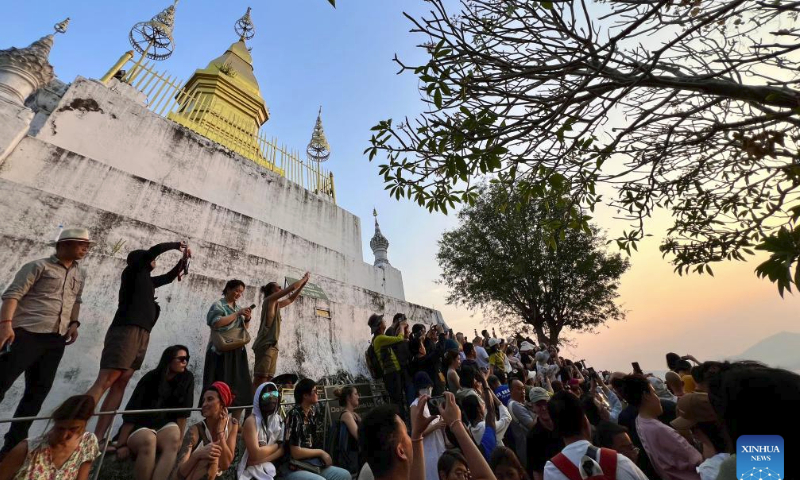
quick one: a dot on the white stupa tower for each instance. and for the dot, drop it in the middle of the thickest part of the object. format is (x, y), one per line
(379, 245)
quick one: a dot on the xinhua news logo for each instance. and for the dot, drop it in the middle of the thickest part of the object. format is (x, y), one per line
(759, 457)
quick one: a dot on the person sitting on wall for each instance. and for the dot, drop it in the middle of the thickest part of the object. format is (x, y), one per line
(208, 446)
(38, 319)
(65, 452)
(265, 345)
(307, 461)
(126, 341)
(145, 437)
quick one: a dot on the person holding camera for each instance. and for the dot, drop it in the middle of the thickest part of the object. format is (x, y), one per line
(382, 344)
(226, 357)
(265, 346)
(126, 341)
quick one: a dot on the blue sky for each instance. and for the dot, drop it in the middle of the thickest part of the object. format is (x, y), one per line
(307, 54)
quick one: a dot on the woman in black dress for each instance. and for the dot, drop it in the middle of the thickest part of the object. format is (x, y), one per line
(153, 439)
(232, 366)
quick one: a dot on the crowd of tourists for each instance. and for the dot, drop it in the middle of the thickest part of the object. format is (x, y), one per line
(489, 408)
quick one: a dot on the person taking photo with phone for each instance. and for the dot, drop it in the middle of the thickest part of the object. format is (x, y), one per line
(265, 346)
(126, 341)
(38, 319)
(226, 356)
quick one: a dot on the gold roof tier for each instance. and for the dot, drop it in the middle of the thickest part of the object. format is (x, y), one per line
(229, 78)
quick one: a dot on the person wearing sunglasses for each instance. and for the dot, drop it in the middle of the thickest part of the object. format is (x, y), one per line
(153, 439)
(263, 436)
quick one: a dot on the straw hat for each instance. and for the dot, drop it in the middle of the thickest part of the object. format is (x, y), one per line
(74, 235)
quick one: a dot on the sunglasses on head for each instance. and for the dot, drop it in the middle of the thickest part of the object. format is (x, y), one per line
(183, 359)
(268, 395)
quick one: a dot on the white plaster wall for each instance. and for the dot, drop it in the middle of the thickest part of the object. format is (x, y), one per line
(310, 345)
(135, 179)
(126, 135)
(53, 170)
(14, 123)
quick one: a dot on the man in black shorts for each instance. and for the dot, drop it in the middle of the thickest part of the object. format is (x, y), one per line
(127, 338)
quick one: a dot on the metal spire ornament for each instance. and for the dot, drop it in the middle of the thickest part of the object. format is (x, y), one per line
(153, 39)
(318, 148)
(244, 26)
(61, 27)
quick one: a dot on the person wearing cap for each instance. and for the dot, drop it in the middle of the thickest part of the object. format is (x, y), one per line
(38, 319)
(382, 345)
(433, 441)
(526, 355)
(497, 359)
(127, 338)
(697, 421)
(543, 442)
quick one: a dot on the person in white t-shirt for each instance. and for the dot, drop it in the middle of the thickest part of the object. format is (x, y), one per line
(433, 436)
(579, 454)
(482, 355)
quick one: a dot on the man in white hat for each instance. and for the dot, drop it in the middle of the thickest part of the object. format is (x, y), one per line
(38, 319)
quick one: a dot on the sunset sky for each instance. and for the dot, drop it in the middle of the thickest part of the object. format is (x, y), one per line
(307, 54)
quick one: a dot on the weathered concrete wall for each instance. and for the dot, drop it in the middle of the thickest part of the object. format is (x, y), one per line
(135, 179)
(51, 169)
(14, 123)
(128, 136)
(311, 345)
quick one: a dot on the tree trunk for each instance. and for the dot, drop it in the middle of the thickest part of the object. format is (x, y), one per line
(540, 335)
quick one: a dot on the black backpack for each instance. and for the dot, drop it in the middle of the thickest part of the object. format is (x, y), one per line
(373, 364)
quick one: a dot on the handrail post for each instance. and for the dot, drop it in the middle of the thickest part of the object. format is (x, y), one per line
(107, 435)
(125, 58)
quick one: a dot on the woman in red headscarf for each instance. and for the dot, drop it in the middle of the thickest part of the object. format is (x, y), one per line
(208, 446)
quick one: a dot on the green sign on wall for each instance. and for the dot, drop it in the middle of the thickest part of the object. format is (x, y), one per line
(311, 289)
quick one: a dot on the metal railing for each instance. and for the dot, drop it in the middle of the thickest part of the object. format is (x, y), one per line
(203, 113)
(98, 465)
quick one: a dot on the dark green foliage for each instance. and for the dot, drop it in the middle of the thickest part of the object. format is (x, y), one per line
(681, 106)
(527, 264)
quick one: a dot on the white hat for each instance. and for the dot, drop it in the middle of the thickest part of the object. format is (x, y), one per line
(526, 346)
(493, 342)
(74, 235)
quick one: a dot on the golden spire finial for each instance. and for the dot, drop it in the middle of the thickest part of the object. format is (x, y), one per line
(61, 27)
(318, 148)
(244, 26)
(153, 39)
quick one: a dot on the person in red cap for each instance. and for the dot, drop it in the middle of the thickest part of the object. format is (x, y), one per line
(209, 446)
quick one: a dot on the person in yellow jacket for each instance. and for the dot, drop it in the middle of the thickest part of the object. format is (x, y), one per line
(383, 346)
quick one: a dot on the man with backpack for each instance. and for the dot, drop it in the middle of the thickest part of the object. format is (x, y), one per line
(381, 347)
(580, 460)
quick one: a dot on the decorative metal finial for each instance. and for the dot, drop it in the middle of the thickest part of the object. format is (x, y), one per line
(153, 39)
(244, 26)
(375, 213)
(61, 27)
(318, 148)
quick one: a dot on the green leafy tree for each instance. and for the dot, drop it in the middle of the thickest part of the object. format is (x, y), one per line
(691, 106)
(501, 260)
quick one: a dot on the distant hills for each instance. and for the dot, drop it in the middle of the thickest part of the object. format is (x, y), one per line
(779, 350)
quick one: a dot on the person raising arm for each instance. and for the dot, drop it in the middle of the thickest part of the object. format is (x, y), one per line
(265, 345)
